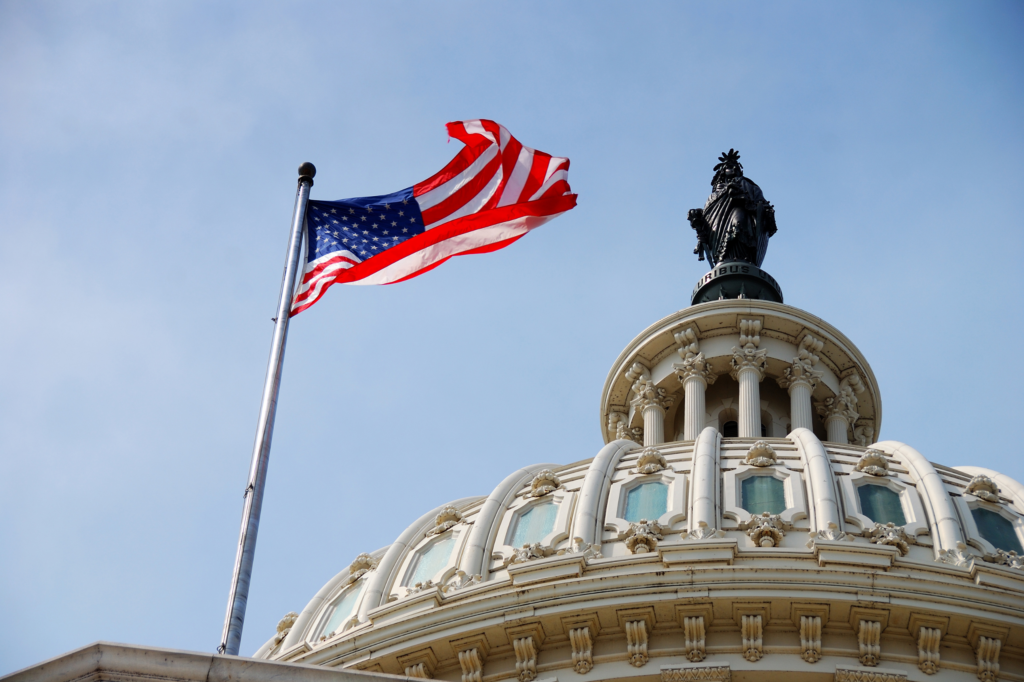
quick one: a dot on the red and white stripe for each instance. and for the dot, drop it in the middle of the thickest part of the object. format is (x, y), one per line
(491, 194)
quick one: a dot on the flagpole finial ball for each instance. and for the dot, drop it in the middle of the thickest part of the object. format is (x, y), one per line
(307, 171)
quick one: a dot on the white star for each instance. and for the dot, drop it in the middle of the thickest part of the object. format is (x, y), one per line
(370, 209)
(333, 211)
(362, 217)
(365, 232)
(374, 226)
(336, 222)
(393, 224)
(351, 211)
(395, 238)
(405, 201)
(385, 231)
(375, 239)
(401, 213)
(412, 220)
(405, 229)
(387, 206)
(315, 218)
(345, 240)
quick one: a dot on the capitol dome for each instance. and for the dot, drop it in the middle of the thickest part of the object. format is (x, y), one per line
(741, 522)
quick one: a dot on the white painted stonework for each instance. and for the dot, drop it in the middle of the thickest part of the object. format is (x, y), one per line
(685, 582)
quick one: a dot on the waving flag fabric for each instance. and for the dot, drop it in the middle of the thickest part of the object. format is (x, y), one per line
(491, 194)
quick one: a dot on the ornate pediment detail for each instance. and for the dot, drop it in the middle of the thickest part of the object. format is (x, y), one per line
(892, 535)
(761, 454)
(642, 536)
(543, 483)
(651, 461)
(984, 488)
(448, 517)
(874, 463)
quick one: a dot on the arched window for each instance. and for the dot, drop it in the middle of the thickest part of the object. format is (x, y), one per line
(761, 494)
(533, 525)
(647, 501)
(764, 430)
(428, 562)
(997, 530)
(881, 505)
(343, 609)
(731, 429)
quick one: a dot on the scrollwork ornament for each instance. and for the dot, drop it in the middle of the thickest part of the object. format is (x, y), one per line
(984, 488)
(956, 557)
(766, 529)
(1009, 559)
(362, 564)
(874, 463)
(642, 536)
(651, 461)
(446, 519)
(586, 549)
(460, 580)
(528, 553)
(543, 483)
(761, 454)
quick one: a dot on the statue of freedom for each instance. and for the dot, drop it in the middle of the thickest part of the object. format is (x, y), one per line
(736, 222)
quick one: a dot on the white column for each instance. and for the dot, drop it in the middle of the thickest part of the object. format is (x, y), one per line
(836, 428)
(841, 411)
(695, 375)
(800, 379)
(654, 423)
(748, 363)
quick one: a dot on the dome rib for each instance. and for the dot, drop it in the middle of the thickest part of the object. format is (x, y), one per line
(705, 507)
(475, 558)
(820, 478)
(382, 577)
(937, 504)
(588, 521)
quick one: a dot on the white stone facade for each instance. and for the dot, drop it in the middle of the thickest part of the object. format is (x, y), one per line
(800, 546)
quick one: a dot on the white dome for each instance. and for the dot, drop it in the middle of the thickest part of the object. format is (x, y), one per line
(808, 550)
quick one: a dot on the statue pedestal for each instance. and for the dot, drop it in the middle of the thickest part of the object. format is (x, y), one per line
(736, 279)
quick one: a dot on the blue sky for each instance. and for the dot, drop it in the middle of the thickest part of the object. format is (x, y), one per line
(147, 178)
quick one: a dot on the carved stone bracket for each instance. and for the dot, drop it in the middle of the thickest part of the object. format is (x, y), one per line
(761, 454)
(987, 651)
(582, 650)
(694, 638)
(693, 365)
(844, 403)
(447, 518)
(649, 395)
(526, 658)
(636, 642)
(472, 665)
(864, 432)
(284, 626)
(417, 670)
(766, 530)
(420, 587)
(928, 641)
(984, 488)
(618, 426)
(651, 461)
(869, 635)
(874, 463)
(420, 664)
(830, 533)
(810, 638)
(543, 483)
(642, 536)
(752, 631)
(892, 535)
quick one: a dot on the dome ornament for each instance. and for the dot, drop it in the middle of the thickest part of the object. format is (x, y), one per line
(651, 461)
(284, 626)
(642, 536)
(766, 529)
(892, 535)
(363, 564)
(447, 518)
(874, 463)
(956, 557)
(460, 580)
(1009, 559)
(761, 454)
(578, 546)
(528, 553)
(543, 483)
(984, 488)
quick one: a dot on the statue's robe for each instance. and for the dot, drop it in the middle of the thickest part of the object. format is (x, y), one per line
(740, 228)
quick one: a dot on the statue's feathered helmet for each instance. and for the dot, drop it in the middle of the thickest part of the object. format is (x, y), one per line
(729, 159)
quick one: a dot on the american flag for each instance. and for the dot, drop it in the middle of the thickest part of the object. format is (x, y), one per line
(491, 194)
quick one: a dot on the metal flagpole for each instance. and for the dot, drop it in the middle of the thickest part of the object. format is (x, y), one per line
(231, 638)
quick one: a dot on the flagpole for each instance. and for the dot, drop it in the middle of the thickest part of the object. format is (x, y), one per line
(231, 638)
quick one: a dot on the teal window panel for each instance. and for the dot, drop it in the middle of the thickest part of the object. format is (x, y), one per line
(997, 530)
(881, 505)
(428, 563)
(647, 501)
(344, 609)
(761, 494)
(534, 524)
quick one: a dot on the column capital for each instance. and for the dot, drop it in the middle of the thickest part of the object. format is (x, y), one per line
(694, 367)
(844, 403)
(748, 355)
(648, 395)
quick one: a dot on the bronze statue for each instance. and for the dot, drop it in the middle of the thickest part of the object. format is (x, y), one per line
(736, 222)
